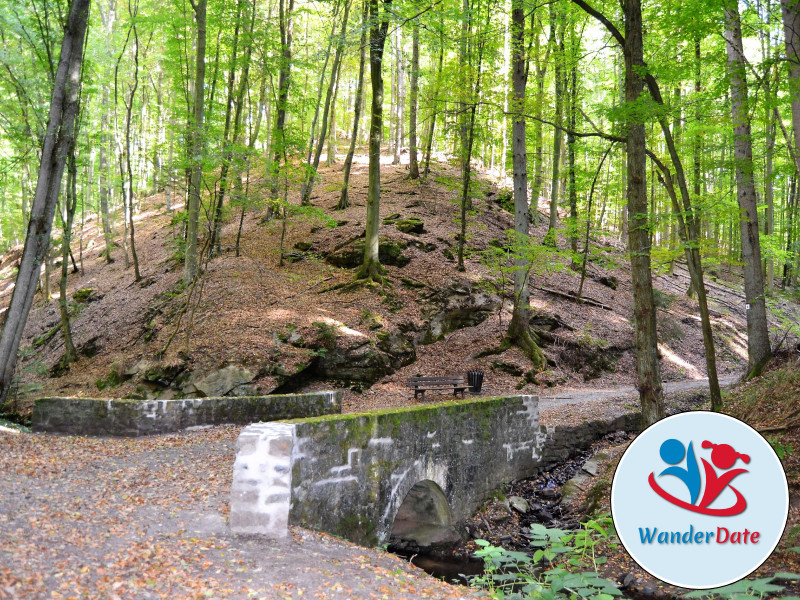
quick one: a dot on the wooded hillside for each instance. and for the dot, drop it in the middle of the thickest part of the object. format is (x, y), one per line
(359, 192)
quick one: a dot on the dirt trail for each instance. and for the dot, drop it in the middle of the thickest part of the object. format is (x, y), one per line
(146, 518)
(592, 399)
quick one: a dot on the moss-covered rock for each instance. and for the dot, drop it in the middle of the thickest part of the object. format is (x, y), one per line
(455, 307)
(412, 225)
(390, 253)
(84, 295)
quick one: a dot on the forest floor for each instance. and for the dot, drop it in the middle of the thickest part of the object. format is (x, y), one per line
(249, 305)
(146, 518)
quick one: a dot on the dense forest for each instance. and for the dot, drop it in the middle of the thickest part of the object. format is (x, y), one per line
(670, 126)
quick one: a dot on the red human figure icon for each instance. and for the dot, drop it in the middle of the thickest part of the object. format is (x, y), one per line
(724, 457)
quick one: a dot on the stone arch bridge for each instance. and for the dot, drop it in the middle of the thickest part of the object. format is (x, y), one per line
(350, 474)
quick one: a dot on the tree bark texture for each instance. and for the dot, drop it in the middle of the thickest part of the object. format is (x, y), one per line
(344, 200)
(64, 107)
(371, 267)
(758, 345)
(198, 144)
(647, 366)
(412, 124)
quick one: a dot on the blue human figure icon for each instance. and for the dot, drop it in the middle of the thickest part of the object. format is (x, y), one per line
(672, 453)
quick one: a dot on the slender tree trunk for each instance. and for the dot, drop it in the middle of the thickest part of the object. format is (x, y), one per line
(58, 138)
(401, 96)
(371, 268)
(68, 215)
(644, 309)
(215, 245)
(558, 57)
(311, 171)
(412, 126)
(337, 63)
(344, 201)
(284, 80)
(198, 145)
(758, 345)
(689, 228)
(432, 128)
(538, 133)
(572, 229)
(128, 115)
(790, 10)
(519, 331)
(769, 182)
(332, 148)
(103, 180)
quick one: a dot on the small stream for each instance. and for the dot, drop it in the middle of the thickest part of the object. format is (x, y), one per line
(508, 528)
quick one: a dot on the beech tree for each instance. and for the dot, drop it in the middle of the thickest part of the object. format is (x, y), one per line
(379, 25)
(58, 139)
(758, 346)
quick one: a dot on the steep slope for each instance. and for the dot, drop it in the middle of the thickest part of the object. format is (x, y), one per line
(302, 326)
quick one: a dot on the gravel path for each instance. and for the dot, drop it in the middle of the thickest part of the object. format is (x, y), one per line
(565, 408)
(146, 518)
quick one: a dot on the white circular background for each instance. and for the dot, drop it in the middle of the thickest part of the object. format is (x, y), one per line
(635, 505)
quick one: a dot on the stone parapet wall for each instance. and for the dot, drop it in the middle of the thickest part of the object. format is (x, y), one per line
(133, 418)
(349, 474)
(563, 442)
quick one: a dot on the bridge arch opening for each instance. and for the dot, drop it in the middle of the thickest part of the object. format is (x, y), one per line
(424, 517)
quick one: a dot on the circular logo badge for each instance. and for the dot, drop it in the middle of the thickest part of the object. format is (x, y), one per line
(699, 500)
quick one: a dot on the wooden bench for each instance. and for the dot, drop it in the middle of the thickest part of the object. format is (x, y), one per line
(421, 384)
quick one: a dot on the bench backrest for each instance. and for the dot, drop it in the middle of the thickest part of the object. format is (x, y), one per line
(436, 380)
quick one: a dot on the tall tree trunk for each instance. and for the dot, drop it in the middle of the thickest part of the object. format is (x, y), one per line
(572, 229)
(758, 346)
(412, 125)
(64, 106)
(558, 57)
(103, 180)
(697, 138)
(332, 146)
(690, 228)
(371, 268)
(215, 245)
(401, 96)
(284, 79)
(519, 331)
(769, 182)
(540, 65)
(790, 10)
(67, 218)
(128, 118)
(198, 144)
(432, 128)
(337, 63)
(644, 309)
(308, 179)
(344, 201)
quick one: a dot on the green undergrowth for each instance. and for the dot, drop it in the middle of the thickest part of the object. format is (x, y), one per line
(768, 403)
(561, 565)
(565, 565)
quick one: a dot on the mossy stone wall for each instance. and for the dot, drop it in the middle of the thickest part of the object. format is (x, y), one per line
(349, 474)
(133, 418)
